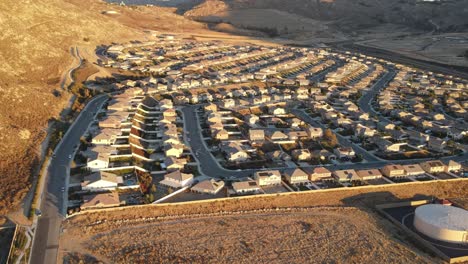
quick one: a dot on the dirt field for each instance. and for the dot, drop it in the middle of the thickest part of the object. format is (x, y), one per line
(330, 235)
(160, 224)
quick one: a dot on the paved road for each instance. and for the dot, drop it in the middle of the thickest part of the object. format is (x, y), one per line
(53, 199)
(210, 167)
(207, 162)
(342, 140)
(365, 101)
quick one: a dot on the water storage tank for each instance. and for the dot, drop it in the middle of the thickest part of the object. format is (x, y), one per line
(442, 222)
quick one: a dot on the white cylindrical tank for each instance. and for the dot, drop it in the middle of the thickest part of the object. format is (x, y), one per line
(442, 222)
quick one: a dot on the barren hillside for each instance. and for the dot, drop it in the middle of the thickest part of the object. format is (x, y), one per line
(434, 31)
(351, 15)
(35, 45)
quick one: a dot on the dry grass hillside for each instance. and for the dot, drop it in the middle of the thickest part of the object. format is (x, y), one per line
(430, 31)
(320, 235)
(35, 45)
(351, 15)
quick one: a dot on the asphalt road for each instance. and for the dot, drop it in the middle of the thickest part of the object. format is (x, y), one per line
(365, 101)
(210, 167)
(53, 199)
(341, 140)
(207, 162)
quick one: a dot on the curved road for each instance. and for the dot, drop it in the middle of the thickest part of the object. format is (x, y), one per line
(207, 163)
(53, 199)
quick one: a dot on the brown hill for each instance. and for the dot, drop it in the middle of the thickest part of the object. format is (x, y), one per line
(35, 45)
(352, 15)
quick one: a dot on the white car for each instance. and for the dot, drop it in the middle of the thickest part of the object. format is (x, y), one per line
(69, 156)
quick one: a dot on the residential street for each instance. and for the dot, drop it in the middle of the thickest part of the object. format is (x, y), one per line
(208, 164)
(342, 140)
(53, 199)
(365, 101)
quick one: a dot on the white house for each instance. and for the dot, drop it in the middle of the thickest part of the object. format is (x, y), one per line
(265, 178)
(245, 187)
(98, 157)
(177, 179)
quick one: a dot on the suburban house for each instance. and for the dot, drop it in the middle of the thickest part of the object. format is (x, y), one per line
(363, 131)
(98, 157)
(235, 152)
(386, 145)
(106, 136)
(413, 169)
(210, 186)
(177, 179)
(344, 153)
(345, 175)
(393, 170)
(245, 187)
(369, 174)
(319, 174)
(172, 163)
(266, 178)
(101, 200)
(278, 137)
(256, 135)
(314, 132)
(433, 166)
(101, 181)
(301, 154)
(418, 137)
(173, 150)
(437, 144)
(221, 134)
(277, 110)
(296, 176)
(453, 166)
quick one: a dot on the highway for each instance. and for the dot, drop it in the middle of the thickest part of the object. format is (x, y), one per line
(53, 199)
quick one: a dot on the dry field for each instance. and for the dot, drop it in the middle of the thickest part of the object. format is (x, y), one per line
(336, 225)
(330, 235)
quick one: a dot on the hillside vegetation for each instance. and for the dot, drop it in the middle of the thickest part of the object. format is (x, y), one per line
(35, 50)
